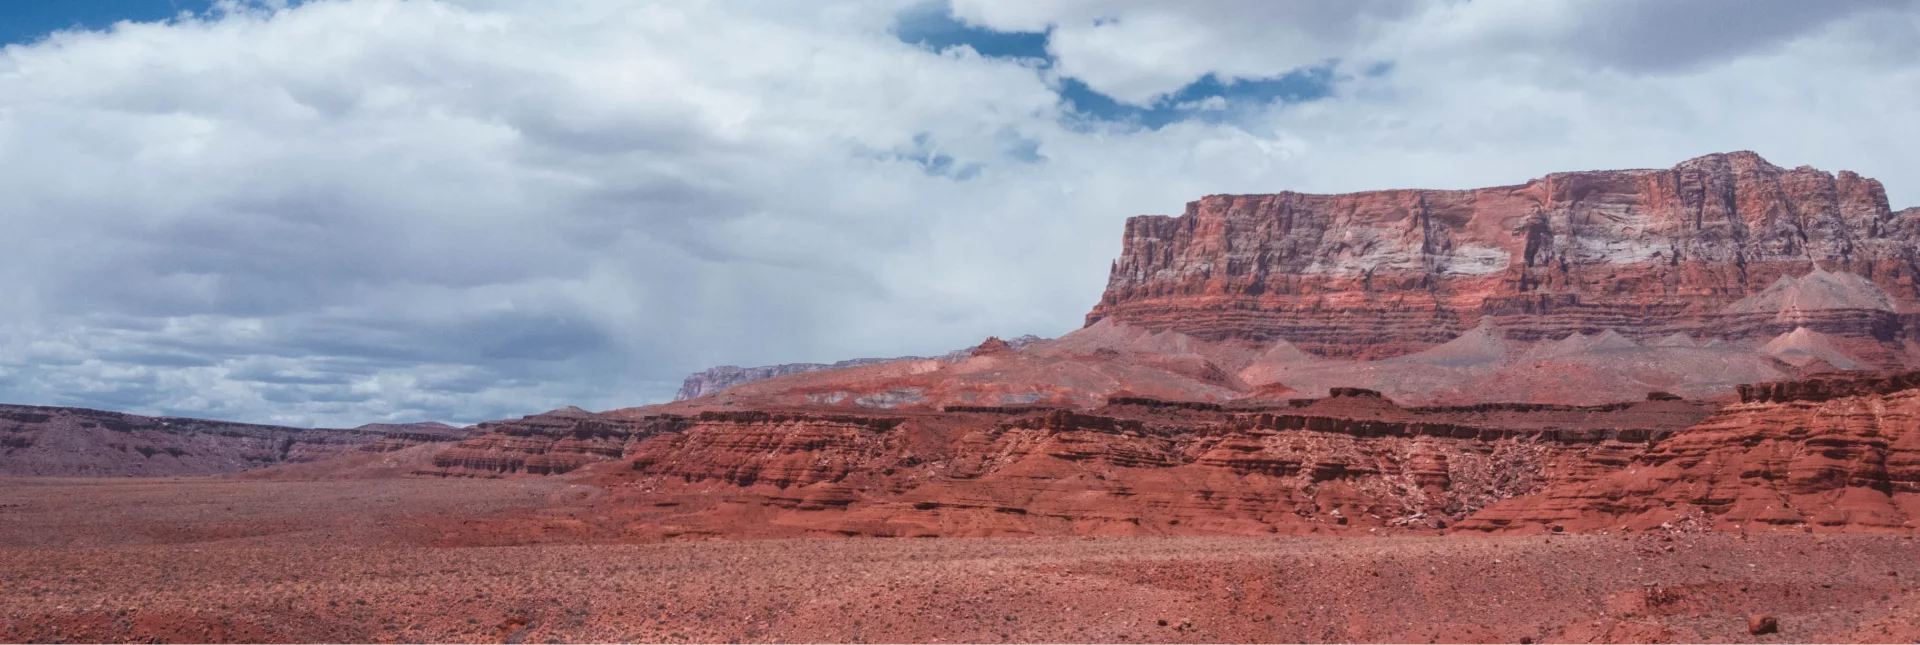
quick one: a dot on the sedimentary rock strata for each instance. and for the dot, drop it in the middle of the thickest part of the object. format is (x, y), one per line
(548, 443)
(1725, 245)
(1835, 453)
(1136, 465)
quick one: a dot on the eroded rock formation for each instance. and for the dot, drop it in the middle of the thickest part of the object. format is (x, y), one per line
(1841, 452)
(1135, 465)
(549, 443)
(1725, 245)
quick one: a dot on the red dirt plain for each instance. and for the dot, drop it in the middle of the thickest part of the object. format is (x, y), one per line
(193, 560)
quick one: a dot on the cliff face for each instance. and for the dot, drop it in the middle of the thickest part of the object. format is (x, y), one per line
(1644, 252)
(1344, 464)
(1834, 453)
(1840, 452)
(548, 443)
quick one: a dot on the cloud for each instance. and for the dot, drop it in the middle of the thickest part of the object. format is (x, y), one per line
(1633, 35)
(347, 211)
(1141, 51)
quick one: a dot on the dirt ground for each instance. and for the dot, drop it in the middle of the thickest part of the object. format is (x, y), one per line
(197, 560)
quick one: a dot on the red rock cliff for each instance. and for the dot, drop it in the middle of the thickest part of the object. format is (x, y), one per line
(1646, 252)
(1833, 453)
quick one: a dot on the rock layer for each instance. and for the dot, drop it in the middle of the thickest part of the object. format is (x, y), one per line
(1136, 465)
(549, 443)
(1725, 245)
(1834, 453)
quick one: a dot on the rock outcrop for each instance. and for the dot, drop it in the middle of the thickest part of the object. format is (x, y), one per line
(77, 442)
(548, 443)
(1841, 452)
(1726, 245)
(779, 449)
(1136, 464)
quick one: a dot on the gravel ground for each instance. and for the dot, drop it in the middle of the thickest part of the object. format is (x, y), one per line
(351, 561)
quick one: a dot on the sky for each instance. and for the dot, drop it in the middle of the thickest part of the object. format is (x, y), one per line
(25, 21)
(337, 212)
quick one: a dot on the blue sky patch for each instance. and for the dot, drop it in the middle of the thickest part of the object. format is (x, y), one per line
(1208, 99)
(25, 21)
(934, 27)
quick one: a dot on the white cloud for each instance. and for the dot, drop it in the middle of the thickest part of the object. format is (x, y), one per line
(1138, 51)
(362, 210)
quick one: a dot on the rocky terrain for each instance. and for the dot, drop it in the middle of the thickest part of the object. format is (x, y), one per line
(1836, 453)
(76, 442)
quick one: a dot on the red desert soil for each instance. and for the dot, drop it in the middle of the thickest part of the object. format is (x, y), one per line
(224, 560)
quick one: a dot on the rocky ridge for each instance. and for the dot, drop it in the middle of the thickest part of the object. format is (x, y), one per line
(77, 442)
(714, 380)
(1350, 462)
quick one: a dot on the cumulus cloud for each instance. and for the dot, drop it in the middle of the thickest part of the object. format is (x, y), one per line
(347, 211)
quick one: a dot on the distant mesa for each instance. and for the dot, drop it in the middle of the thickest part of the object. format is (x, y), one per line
(1722, 245)
(716, 379)
(78, 442)
(1577, 288)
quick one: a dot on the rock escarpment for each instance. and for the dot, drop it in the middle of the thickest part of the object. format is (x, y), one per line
(1838, 452)
(1726, 246)
(549, 443)
(1136, 465)
(1833, 453)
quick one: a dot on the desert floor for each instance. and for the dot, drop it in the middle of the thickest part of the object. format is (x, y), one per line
(379, 560)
